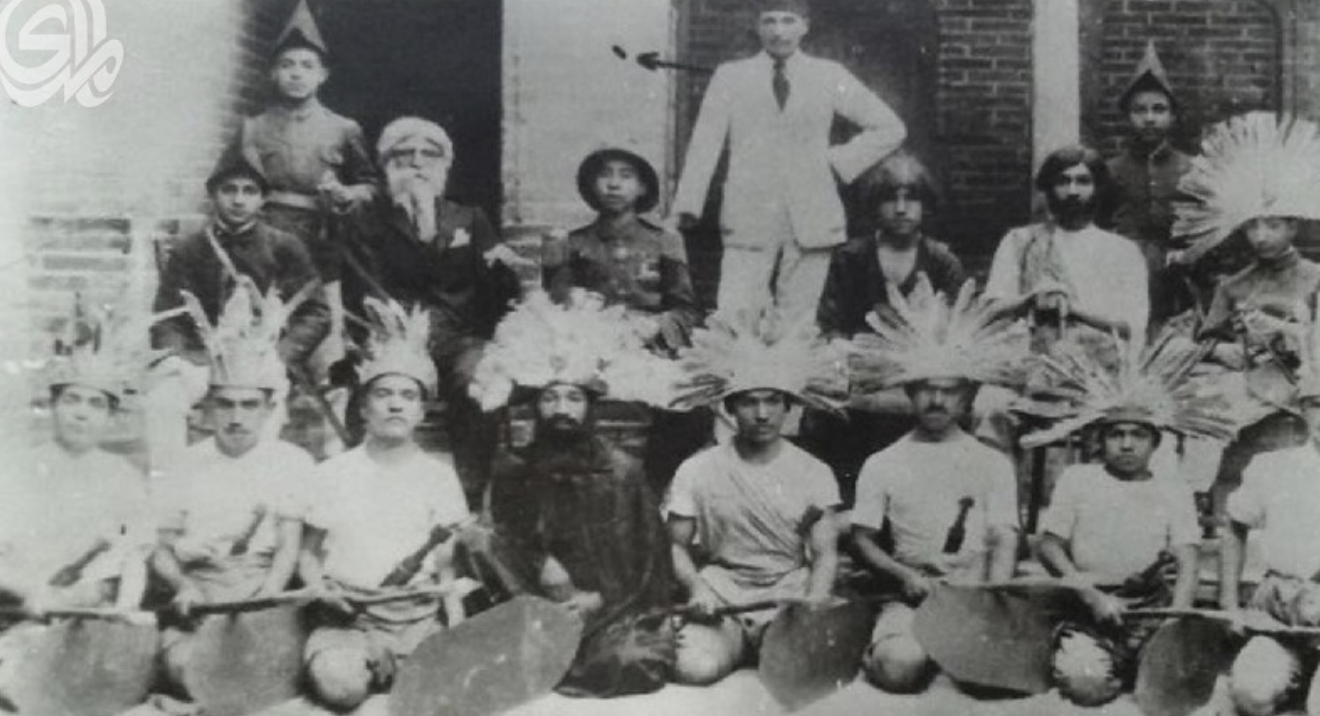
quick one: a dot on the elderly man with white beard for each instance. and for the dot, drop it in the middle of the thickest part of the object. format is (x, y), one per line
(416, 247)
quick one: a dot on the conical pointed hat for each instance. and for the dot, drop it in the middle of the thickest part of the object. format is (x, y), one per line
(1150, 75)
(301, 31)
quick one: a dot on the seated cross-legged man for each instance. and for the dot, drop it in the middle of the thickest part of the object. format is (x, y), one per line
(574, 518)
(383, 517)
(1118, 526)
(230, 512)
(948, 501)
(752, 519)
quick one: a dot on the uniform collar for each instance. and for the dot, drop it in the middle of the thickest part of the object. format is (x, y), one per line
(607, 232)
(226, 235)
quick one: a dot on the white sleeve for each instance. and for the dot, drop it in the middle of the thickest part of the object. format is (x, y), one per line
(1247, 503)
(1060, 519)
(1183, 526)
(451, 504)
(872, 503)
(682, 500)
(1005, 269)
(705, 146)
(882, 130)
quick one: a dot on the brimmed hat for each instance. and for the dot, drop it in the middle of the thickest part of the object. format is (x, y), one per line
(923, 337)
(591, 165)
(580, 342)
(1255, 165)
(399, 344)
(1150, 385)
(301, 31)
(242, 346)
(762, 350)
(1150, 75)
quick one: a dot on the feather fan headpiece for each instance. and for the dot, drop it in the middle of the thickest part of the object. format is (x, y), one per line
(1251, 166)
(1151, 385)
(581, 342)
(763, 349)
(399, 343)
(924, 337)
(242, 346)
(104, 348)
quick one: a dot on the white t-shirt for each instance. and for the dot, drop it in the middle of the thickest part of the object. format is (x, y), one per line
(1118, 528)
(54, 506)
(1280, 501)
(216, 499)
(1107, 271)
(376, 515)
(918, 488)
(748, 516)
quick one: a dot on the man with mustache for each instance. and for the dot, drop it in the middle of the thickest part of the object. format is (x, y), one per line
(230, 512)
(949, 502)
(901, 194)
(753, 518)
(1146, 175)
(383, 518)
(575, 520)
(414, 246)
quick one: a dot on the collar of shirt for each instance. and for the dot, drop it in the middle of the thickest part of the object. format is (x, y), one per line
(1160, 154)
(607, 232)
(791, 63)
(228, 235)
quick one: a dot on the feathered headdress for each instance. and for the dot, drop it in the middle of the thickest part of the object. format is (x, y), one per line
(581, 342)
(399, 343)
(103, 348)
(1150, 385)
(754, 350)
(924, 337)
(1251, 166)
(242, 346)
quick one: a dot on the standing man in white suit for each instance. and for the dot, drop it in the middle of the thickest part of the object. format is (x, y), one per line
(782, 212)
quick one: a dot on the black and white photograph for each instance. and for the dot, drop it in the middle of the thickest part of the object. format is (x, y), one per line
(660, 357)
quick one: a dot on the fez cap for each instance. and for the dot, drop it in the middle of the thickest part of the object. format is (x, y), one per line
(591, 166)
(797, 7)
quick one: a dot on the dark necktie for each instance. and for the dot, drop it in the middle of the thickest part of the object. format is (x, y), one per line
(780, 84)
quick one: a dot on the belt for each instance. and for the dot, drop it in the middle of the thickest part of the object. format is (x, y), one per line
(296, 200)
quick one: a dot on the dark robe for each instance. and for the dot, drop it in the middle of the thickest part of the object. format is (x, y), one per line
(587, 505)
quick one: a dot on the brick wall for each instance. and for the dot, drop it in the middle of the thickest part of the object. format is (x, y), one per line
(1224, 57)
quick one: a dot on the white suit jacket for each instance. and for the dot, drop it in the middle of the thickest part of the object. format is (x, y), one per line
(782, 159)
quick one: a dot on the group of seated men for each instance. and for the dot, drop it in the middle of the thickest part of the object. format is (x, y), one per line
(432, 298)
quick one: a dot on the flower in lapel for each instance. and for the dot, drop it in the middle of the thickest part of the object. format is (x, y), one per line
(461, 238)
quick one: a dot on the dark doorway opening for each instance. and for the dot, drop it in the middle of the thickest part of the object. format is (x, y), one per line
(435, 59)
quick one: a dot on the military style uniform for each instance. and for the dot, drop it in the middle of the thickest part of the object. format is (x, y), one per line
(639, 265)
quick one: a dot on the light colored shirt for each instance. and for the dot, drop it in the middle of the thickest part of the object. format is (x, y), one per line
(55, 506)
(1280, 500)
(1116, 527)
(917, 487)
(376, 515)
(1105, 272)
(749, 516)
(217, 500)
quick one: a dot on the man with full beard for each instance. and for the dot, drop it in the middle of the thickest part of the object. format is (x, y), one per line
(416, 247)
(1067, 272)
(1069, 279)
(575, 519)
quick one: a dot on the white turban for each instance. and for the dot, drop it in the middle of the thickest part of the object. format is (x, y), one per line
(405, 128)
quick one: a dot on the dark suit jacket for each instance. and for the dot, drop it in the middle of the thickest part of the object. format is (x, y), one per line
(855, 285)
